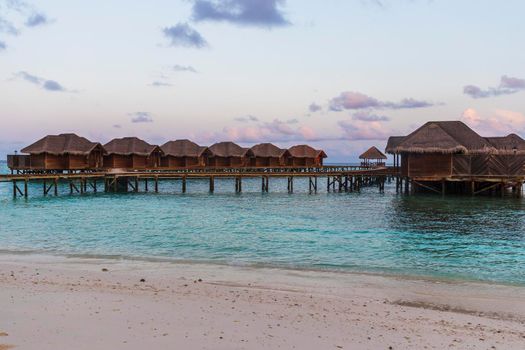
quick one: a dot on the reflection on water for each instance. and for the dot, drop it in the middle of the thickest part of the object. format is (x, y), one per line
(454, 237)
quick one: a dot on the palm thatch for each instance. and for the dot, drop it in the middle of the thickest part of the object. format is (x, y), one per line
(305, 151)
(445, 137)
(267, 150)
(393, 142)
(372, 153)
(510, 144)
(130, 145)
(63, 144)
(227, 149)
(183, 148)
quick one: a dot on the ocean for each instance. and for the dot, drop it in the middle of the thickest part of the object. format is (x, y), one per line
(458, 238)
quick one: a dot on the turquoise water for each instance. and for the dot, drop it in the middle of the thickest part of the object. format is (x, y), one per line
(452, 237)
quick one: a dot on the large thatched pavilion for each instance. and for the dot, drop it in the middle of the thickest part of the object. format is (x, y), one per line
(59, 152)
(131, 153)
(453, 154)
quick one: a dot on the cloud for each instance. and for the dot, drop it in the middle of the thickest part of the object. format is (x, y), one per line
(314, 107)
(258, 13)
(161, 84)
(46, 84)
(117, 126)
(355, 100)
(498, 123)
(36, 19)
(248, 118)
(275, 131)
(364, 130)
(3, 46)
(508, 85)
(141, 117)
(512, 83)
(8, 27)
(184, 35)
(179, 68)
(368, 117)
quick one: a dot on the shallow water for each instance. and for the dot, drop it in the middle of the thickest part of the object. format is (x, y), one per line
(452, 237)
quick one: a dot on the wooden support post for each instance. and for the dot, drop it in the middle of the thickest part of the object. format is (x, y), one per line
(156, 184)
(94, 185)
(212, 184)
(14, 188)
(443, 187)
(315, 184)
(146, 184)
(290, 184)
(25, 188)
(328, 183)
(184, 184)
(45, 187)
(136, 189)
(407, 185)
(472, 188)
(115, 180)
(502, 189)
(340, 183)
(82, 185)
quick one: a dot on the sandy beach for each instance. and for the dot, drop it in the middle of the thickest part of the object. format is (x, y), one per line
(73, 303)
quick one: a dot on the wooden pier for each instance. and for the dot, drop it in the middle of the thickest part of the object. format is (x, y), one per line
(338, 179)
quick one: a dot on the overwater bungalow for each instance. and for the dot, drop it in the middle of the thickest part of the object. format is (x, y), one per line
(450, 151)
(183, 154)
(267, 155)
(373, 158)
(305, 156)
(59, 152)
(131, 153)
(227, 154)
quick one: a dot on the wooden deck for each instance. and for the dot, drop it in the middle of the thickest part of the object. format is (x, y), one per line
(338, 178)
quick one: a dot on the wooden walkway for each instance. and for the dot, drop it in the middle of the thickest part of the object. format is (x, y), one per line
(338, 178)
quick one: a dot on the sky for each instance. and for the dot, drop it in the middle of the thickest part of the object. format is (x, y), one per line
(340, 75)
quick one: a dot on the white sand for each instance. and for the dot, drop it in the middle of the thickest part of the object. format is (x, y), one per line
(58, 303)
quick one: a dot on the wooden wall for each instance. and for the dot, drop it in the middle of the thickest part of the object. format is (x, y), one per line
(118, 161)
(429, 165)
(443, 165)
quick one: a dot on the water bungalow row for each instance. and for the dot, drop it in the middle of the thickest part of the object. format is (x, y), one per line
(450, 157)
(70, 152)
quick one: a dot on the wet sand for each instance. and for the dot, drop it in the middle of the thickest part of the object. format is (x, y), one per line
(60, 303)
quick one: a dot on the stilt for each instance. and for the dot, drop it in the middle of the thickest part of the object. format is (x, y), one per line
(315, 184)
(56, 186)
(146, 184)
(212, 184)
(184, 184)
(328, 183)
(443, 187)
(136, 189)
(290, 184)
(156, 184)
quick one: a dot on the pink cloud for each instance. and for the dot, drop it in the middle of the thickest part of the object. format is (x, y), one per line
(364, 130)
(500, 122)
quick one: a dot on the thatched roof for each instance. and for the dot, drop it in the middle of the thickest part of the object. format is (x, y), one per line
(227, 149)
(130, 145)
(265, 150)
(372, 153)
(183, 148)
(63, 144)
(393, 142)
(510, 144)
(444, 137)
(305, 151)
